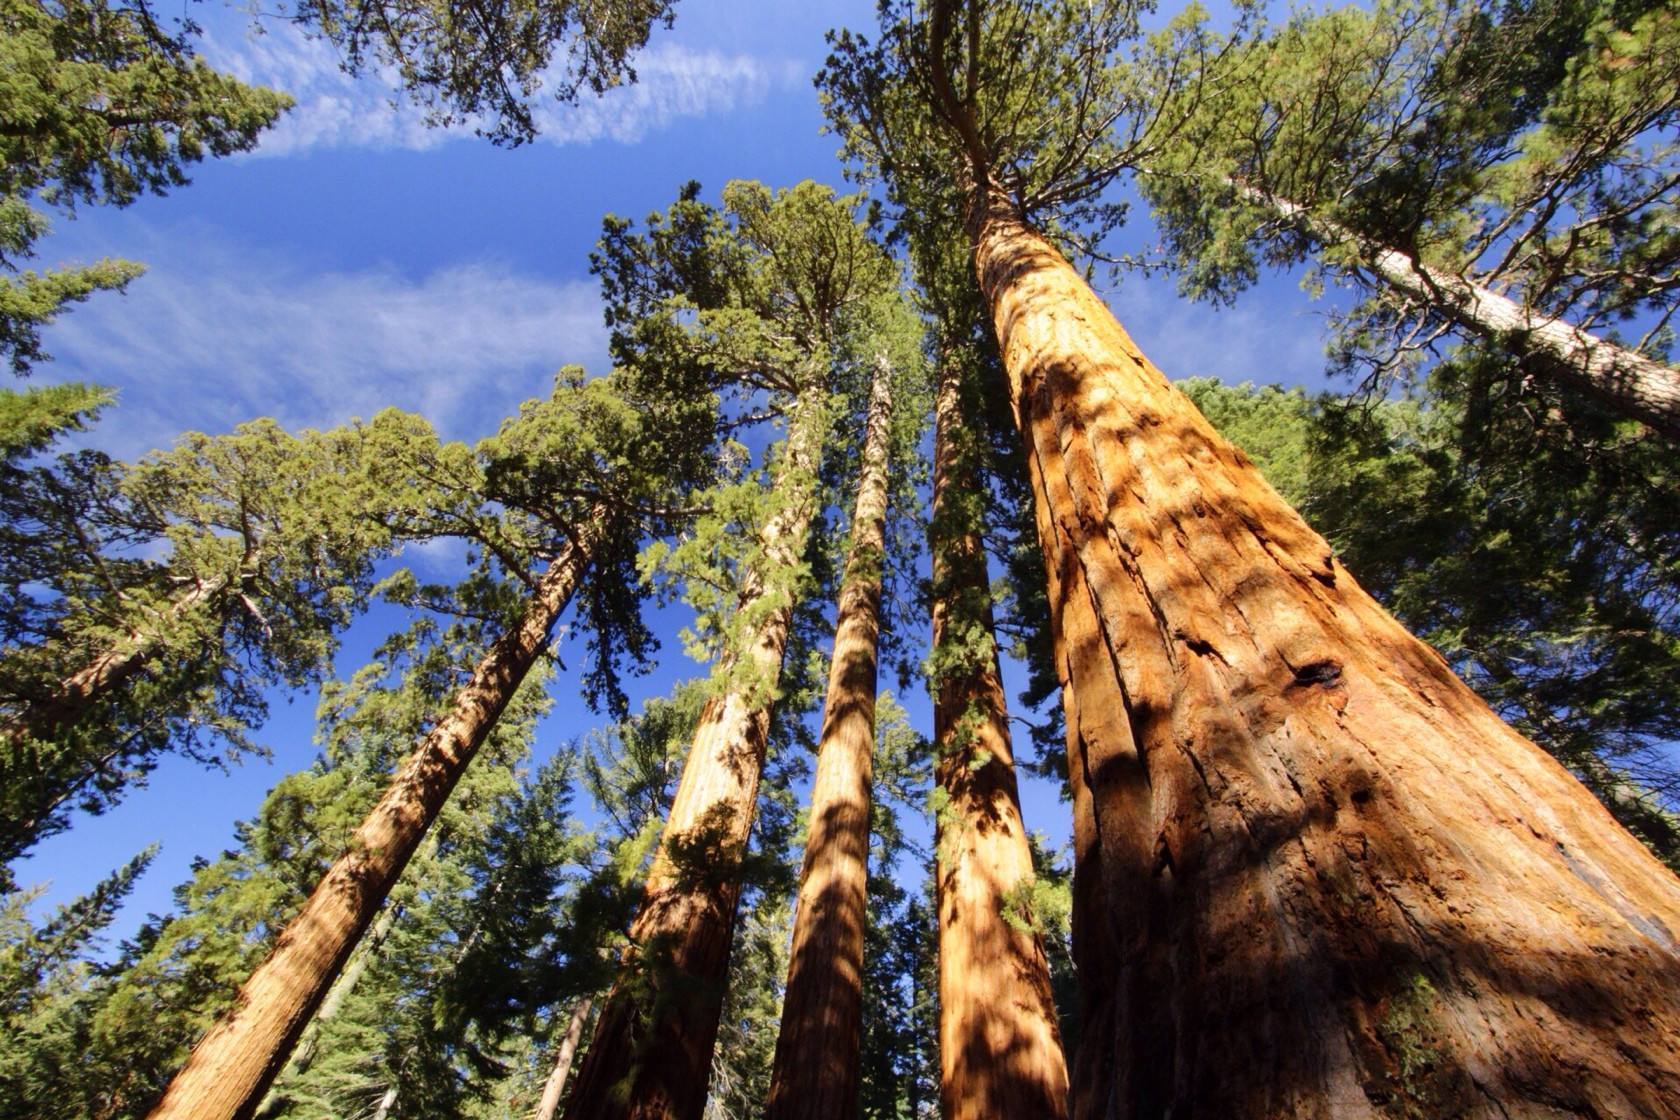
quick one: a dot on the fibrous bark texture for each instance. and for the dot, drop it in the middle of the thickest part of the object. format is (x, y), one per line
(815, 1073)
(562, 1068)
(651, 1053)
(1000, 1053)
(1317, 876)
(1624, 380)
(231, 1068)
(303, 1054)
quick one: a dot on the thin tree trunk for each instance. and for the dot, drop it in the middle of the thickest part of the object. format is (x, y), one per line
(556, 1083)
(1000, 1052)
(1626, 381)
(1331, 881)
(233, 1065)
(815, 1072)
(44, 723)
(651, 1052)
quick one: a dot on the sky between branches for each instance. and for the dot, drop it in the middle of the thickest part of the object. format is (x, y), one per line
(357, 260)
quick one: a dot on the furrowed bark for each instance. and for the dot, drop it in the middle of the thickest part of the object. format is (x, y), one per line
(1333, 883)
(999, 1047)
(815, 1072)
(651, 1051)
(1624, 380)
(227, 1074)
(556, 1083)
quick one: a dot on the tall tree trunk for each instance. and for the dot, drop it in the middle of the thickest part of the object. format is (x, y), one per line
(651, 1051)
(815, 1072)
(1624, 380)
(1331, 882)
(28, 800)
(367, 949)
(999, 1049)
(228, 1072)
(556, 1083)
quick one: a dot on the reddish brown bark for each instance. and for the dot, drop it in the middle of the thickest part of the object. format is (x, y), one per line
(232, 1066)
(1000, 1052)
(562, 1068)
(651, 1053)
(1326, 879)
(815, 1072)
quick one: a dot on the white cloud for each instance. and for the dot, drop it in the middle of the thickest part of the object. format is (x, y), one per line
(212, 336)
(335, 110)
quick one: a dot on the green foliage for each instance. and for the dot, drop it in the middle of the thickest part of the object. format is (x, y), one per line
(752, 1011)
(151, 605)
(1537, 553)
(130, 1023)
(486, 70)
(32, 419)
(101, 105)
(1530, 145)
(43, 975)
(1045, 101)
(780, 304)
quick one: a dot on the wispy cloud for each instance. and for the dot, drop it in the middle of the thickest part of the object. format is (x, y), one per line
(214, 335)
(335, 110)
(1270, 336)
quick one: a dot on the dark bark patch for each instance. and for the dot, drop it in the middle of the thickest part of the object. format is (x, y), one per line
(1324, 673)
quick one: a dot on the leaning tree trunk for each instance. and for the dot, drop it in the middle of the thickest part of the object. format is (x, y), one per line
(1623, 380)
(651, 1052)
(562, 1068)
(1331, 882)
(815, 1072)
(41, 725)
(361, 958)
(232, 1066)
(999, 1049)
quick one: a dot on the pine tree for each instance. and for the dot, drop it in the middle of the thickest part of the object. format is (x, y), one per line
(1315, 873)
(1501, 171)
(113, 659)
(105, 105)
(43, 975)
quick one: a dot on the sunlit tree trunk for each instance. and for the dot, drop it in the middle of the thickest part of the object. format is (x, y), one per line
(562, 1068)
(999, 1050)
(651, 1051)
(1624, 380)
(1331, 881)
(233, 1065)
(303, 1055)
(815, 1073)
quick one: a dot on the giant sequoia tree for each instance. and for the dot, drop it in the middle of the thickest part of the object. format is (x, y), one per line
(769, 296)
(1317, 875)
(1533, 561)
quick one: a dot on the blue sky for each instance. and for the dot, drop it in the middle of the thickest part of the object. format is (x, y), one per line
(358, 260)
